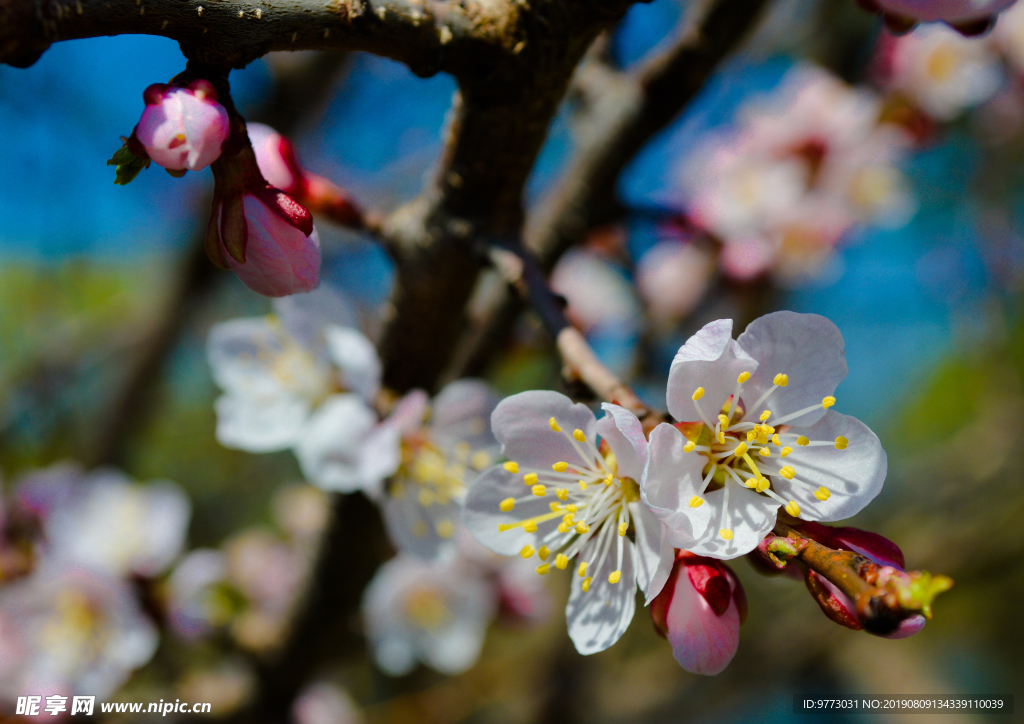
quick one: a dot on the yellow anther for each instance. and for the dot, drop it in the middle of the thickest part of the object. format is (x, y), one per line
(563, 528)
(744, 376)
(527, 551)
(696, 501)
(615, 577)
(721, 438)
(609, 479)
(723, 421)
(569, 519)
(776, 441)
(543, 552)
(570, 508)
(530, 526)
(786, 451)
(841, 443)
(822, 493)
(578, 434)
(689, 446)
(582, 528)
(561, 561)
(623, 527)
(765, 415)
(560, 467)
(543, 568)
(586, 584)
(725, 533)
(788, 472)
(751, 435)
(555, 507)
(553, 423)
(426, 497)
(582, 569)
(562, 493)
(803, 441)
(764, 452)
(740, 450)
(445, 529)
(583, 484)
(539, 490)
(507, 504)
(511, 467)
(480, 460)
(697, 394)
(828, 402)
(420, 529)
(751, 483)
(781, 380)
(530, 478)
(762, 484)
(793, 509)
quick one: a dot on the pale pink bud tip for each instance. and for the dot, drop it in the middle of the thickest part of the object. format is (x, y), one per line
(280, 257)
(182, 129)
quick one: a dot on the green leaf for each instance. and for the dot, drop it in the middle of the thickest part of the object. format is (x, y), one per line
(128, 165)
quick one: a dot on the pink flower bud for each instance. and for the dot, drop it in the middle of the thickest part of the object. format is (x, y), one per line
(837, 606)
(699, 611)
(970, 17)
(878, 548)
(268, 240)
(182, 128)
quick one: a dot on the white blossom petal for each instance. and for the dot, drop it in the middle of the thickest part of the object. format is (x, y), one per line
(416, 529)
(482, 512)
(671, 479)
(853, 476)
(462, 412)
(241, 354)
(655, 554)
(260, 423)
(306, 316)
(750, 516)
(357, 359)
(625, 435)
(808, 348)
(331, 447)
(521, 424)
(597, 618)
(710, 359)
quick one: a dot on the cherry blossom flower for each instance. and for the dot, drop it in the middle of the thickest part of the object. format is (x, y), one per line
(68, 630)
(969, 17)
(325, 703)
(940, 71)
(672, 278)
(757, 433)
(276, 371)
(569, 495)
(699, 611)
(183, 128)
(434, 612)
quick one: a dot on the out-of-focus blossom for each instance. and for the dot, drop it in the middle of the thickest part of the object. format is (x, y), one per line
(699, 611)
(799, 169)
(276, 371)
(68, 630)
(1008, 37)
(940, 71)
(325, 703)
(423, 503)
(598, 295)
(280, 167)
(225, 686)
(767, 396)
(568, 492)
(197, 603)
(969, 17)
(672, 278)
(433, 612)
(182, 128)
(113, 525)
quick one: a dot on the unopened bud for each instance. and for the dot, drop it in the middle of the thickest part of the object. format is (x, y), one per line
(182, 128)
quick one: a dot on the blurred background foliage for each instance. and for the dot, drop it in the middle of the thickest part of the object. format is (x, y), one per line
(931, 313)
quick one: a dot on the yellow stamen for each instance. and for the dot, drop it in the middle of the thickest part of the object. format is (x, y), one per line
(445, 529)
(582, 527)
(696, 501)
(560, 467)
(480, 460)
(697, 394)
(543, 552)
(586, 584)
(511, 467)
(765, 415)
(721, 438)
(562, 493)
(723, 420)
(583, 484)
(793, 509)
(615, 577)
(764, 452)
(828, 402)
(751, 483)
(530, 478)
(426, 497)
(787, 471)
(543, 568)
(841, 443)
(539, 490)
(781, 380)
(803, 441)
(553, 423)
(751, 435)
(561, 561)
(569, 519)
(530, 526)
(623, 527)
(775, 441)
(786, 451)
(578, 434)
(507, 504)
(583, 569)
(527, 551)
(555, 506)
(762, 484)
(689, 446)
(744, 376)
(570, 508)
(822, 493)
(725, 533)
